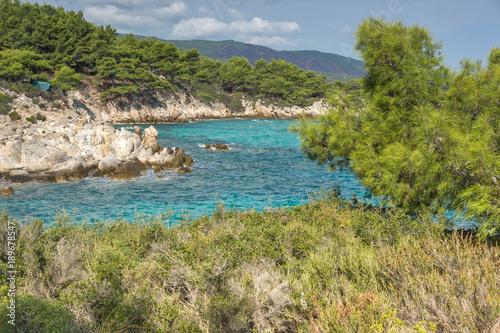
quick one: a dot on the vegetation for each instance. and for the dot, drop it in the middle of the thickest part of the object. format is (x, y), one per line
(47, 43)
(14, 116)
(326, 266)
(426, 138)
(5, 106)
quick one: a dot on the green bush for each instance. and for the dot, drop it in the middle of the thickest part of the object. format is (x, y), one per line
(37, 315)
(5, 106)
(14, 116)
(31, 119)
(40, 116)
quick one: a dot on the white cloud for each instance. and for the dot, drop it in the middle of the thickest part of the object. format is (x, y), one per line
(205, 11)
(110, 14)
(234, 14)
(175, 10)
(270, 41)
(260, 26)
(198, 27)
(209, 27)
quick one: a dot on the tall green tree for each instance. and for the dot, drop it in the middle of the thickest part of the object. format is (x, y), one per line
(426, 138)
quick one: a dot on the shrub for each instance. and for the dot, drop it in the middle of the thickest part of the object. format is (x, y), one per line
(38, 315)
(31, 119)
(40, 116)
(14, 116)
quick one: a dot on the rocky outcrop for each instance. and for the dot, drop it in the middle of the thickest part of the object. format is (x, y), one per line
(217, 146)
(61, 150)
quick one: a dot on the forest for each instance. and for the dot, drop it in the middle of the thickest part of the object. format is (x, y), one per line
(51, 44)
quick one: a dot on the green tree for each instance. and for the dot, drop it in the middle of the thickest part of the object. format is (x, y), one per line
(21, 64)
(234, 74)
(66, 79)
(426, 139)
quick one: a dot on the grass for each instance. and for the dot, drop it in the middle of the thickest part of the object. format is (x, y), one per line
(325, 266)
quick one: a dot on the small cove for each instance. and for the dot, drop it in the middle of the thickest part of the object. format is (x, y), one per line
(264, 167)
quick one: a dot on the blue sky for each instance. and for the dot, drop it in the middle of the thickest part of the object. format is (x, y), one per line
(467, 29)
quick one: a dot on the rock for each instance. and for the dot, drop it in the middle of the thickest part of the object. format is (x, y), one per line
(97, 174)
(137, 163)
(7, 190)
(184, 170)
(151, 132)
(20, 176)
(180, 154)
(165, 161)
(73, 169)
(161, 176)
(108, 165)
(150, 141)
(189, 161)
(48, 161)
(126, 171)
(224, 148)
(143, 154)
(207, 146)
(137, 131)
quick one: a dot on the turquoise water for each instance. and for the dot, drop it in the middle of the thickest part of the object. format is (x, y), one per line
(263, 168)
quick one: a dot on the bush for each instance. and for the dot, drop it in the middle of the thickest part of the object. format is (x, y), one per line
(31, 119)
(40, 116)
(14, 116)
(5, 106)
(37, 315)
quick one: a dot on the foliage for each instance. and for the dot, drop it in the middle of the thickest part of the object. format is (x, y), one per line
(427, 138)
(325, 266)
(5, 101)
(14, 116)
(38, 315)
(63, 40)
(66, 79)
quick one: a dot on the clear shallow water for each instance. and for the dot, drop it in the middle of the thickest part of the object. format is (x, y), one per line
(263, 168)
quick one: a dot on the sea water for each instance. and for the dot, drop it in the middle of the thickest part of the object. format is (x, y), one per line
(264, 167)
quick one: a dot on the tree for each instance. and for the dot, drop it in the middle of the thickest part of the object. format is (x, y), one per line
(21, 64)
(66, 78)
(234, 73)
(427, 139)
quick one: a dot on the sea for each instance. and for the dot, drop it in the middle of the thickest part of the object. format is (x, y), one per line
(263, 169)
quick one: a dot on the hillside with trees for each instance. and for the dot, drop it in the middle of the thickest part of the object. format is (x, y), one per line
(333, 66)
(50, 44)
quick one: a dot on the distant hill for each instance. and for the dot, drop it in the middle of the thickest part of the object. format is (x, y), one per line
(334, 66)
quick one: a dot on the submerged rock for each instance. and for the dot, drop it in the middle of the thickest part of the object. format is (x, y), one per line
(7, 190)
(184, 170)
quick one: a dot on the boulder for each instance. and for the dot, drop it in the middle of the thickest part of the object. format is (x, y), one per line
(48, 161)
(224, 148)
(180, 154)
(20, 176)
(134, 161)
(189, 161)
(126, 171)
(108, 165)
(165, 161)
(150, 141)
(73, 169)
(207, 147)
(7, 190)
(137, 131)
(184, 170)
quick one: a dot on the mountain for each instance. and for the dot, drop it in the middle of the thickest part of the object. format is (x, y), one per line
(334, 66)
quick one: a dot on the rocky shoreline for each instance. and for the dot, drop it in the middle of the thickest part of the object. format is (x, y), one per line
(61, 150)
(73, 141)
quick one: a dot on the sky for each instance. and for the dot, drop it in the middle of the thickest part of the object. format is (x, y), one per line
(466, 28)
